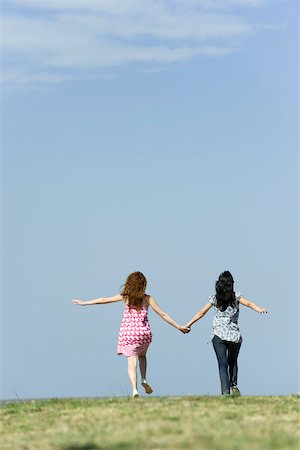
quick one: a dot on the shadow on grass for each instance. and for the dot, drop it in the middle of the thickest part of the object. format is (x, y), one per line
(91, 446)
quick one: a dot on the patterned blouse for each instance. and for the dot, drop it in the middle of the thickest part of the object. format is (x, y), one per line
(225, 323)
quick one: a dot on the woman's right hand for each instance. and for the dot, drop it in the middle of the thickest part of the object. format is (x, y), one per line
(78, 302)
(184, 330)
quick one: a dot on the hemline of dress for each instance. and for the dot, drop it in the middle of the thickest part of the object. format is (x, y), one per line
(132, 351)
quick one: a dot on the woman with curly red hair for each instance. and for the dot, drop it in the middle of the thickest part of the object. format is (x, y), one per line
(135, 334)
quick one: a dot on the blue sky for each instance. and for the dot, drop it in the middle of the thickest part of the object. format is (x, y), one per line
(155, 136)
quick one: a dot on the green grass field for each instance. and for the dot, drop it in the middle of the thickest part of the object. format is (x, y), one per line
(152, 423)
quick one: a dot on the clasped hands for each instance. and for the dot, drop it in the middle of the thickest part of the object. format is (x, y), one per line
(184, 329)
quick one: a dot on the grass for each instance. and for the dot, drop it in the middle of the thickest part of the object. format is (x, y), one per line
(156, 423)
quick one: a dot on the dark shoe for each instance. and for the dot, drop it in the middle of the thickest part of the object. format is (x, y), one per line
(235, 391)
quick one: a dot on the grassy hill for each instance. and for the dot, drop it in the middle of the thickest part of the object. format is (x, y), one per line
(152, 423)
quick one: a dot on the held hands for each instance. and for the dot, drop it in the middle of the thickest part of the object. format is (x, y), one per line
(184, 330)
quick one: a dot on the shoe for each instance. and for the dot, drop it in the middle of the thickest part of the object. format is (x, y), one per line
(235, 391)
(148, 389)
(135, 394)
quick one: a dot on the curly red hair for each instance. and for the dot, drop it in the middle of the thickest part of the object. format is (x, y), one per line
(134, 289)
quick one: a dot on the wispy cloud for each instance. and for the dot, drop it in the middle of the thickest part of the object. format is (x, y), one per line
(132, 6)
(16, 79)
(52, 40)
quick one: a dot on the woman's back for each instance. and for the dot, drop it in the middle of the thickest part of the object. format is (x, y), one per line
(135, 332)
(225, 323)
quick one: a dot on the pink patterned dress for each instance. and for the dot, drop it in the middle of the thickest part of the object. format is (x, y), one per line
(135, 334)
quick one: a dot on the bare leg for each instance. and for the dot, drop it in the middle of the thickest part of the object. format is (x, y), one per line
(143, 370)
(143, 365)
(132, 363)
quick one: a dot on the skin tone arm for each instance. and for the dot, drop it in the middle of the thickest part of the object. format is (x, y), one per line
(199, 315)
(252, 305)
(165, 316)
(207, 307)
(99, 301)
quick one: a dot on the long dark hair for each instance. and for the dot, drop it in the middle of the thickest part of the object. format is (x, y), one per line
(225, 295)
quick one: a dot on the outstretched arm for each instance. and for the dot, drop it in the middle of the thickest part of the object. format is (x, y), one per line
(165, 316)
(199, 314)
(99, 301)
(252, 305)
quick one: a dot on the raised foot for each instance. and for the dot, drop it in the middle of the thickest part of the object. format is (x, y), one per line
(235, 391)
(148, 389)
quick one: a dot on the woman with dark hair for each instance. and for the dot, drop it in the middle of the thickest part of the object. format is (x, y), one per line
(135, 334)
(226, 336)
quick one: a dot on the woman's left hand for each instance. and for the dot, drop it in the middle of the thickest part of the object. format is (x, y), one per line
(184, 330)
(78, 302)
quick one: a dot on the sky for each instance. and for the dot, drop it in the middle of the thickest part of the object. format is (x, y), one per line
(159, 136)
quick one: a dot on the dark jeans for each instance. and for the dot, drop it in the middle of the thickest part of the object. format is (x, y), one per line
(227, 354)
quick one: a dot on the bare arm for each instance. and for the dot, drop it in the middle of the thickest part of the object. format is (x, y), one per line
(99, 301)
(165, 316)
(199, 314)
(252, 305)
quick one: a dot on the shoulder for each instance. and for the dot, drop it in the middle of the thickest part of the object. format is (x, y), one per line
(212, 300)
(238, 296)
(147, 298)
(124, 298)
(152, 302)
